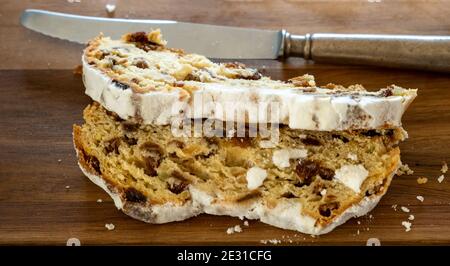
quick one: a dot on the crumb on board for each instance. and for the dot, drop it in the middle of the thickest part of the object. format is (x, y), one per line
(110, 8)
(99, 200)
(404, 169)
(444, 168)
(394, 206)
(405, 209)
(246, 223)
(441, 178)
(420, 198)
(59, 160)
(110, 227)
(422, 180)
(411, 217)
(67, 187)
(234, 229)
(271, 241)
(407, 226)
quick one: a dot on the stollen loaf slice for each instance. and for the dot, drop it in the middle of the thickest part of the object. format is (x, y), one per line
(139, 78)
(309, 181)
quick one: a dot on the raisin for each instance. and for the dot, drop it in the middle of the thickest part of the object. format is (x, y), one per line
(95, 164)
(386, 92)
(153, 158)
(311, 141)
(134, 195)
(342, 138)
(371, 133)
(178, 188)
(307, 169)
(191, 77)
(141, 64)
(140, 36)
(150, 165)
(325, 173)
(130, 141)
(178, 143)
(152, 147)
(120, 85)
(129, 126)
(288, 195)
(112, 145)
(244, 142)
(327, 208)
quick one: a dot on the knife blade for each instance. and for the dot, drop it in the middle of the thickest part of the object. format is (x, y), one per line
(209, 40)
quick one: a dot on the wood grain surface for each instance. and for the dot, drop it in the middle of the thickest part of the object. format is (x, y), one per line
(45, 199)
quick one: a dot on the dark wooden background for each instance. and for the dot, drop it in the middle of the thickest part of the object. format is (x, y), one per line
(40, 99)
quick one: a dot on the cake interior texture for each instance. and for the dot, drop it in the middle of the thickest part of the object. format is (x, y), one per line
(326, 172)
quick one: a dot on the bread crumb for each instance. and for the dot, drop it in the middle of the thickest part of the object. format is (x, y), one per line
(110, 8)
(441, 178)
(110, 226)
(59, 160)
(67, 187)
(420, 198)
(246, 223)
(407, 226)
(99, 200)
(422, 180)
(370, 216)
(404, 209)
(357, 232)
(323, 192)
(404, 169)
(237, 229)
(394, 206)
(234, 229)
(411, 217)
(358, 222)
(444, 168)
(271, 241)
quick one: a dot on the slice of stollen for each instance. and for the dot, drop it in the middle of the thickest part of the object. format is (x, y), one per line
(309, 181)
(140, 79)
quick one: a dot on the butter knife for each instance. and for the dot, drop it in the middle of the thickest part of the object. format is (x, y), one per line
(423, 52)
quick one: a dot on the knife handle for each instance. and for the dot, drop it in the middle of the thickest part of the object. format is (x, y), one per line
(405, 51)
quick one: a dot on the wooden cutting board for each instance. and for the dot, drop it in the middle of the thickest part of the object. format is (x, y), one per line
(45, 199)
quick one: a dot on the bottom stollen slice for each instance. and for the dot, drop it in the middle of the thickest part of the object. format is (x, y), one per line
(309, 181)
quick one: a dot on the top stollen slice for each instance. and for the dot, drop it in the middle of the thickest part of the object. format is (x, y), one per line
(139, 78)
